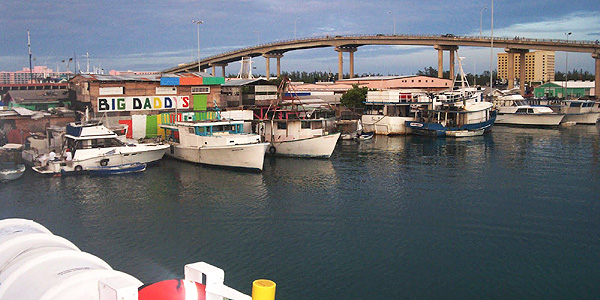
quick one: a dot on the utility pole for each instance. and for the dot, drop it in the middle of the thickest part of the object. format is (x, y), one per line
(198, 33)
(30, 64)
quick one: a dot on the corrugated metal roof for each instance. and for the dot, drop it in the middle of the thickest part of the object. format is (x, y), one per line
(38, 96)
(104, 77)
(575, 84)
(241, 82)
(377, 78)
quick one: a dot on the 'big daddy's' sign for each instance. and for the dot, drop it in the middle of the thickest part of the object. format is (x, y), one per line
(142, 103)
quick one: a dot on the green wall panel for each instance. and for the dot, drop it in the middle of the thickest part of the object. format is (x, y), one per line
(151, 126)
(200, 102)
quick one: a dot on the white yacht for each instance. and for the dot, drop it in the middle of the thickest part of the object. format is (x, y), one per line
(576, 111)
(528, 115)
(217, 143)
(91, 145)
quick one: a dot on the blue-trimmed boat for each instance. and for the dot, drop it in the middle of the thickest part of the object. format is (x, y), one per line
(457, 113)
(119, 169)
(448, 119)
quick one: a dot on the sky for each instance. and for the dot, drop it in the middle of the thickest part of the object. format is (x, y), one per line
(152, 35)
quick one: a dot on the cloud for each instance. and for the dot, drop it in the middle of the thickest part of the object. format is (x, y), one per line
(584, 25)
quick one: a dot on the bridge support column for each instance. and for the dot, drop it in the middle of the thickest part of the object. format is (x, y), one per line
(511, 68)
(441, 49)
(452, 60)
(268, 57)
(440, 63)
(214, 68)
(596, 57)
(340, 50)
(522, 72)
(351, 64)
(279, 65)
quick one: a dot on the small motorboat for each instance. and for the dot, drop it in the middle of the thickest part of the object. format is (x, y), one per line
(119, 169)
(11, 166)
(366, 136)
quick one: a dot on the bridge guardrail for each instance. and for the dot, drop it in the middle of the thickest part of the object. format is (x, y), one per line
(384, 36)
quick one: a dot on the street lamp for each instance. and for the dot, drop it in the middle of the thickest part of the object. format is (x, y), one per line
(295, 27)
(492, 51)
(566, 66)
(257, 36)
(394, 18)
(481, 19)
(198, 32)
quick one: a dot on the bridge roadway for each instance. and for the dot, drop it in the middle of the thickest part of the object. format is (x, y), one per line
(350, 44)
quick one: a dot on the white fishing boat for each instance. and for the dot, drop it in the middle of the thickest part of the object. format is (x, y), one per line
(216, 143)
(11, 166)
(386, 112)
(92, 145)
(295, 130)
(460, 112)
(294, 134)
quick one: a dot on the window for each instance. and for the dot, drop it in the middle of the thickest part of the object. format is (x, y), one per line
(200, 90)
(281, 125)
(305, 124)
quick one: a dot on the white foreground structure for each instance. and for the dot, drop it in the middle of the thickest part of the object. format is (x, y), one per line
(37, 265)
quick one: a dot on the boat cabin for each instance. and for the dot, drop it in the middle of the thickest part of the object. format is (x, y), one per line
(208, 133)
(90, 136)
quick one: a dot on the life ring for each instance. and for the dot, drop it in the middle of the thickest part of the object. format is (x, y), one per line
(175, 289)
(78, 168)
(104, 162)
(272, 150)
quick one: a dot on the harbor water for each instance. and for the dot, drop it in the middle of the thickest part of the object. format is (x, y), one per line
(510, 215)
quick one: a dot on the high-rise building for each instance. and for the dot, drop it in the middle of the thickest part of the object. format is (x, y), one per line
(37, 75)
(539, 66)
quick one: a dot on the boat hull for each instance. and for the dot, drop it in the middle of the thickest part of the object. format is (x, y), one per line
(318, 147)
(437, 129)
(386, 125)
(10, 174)
(529, 119)
(247, 156)
(583, 118)
(120, 169)
(119, 156)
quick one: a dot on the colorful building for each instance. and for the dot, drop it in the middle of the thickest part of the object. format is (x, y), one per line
(140, 100)
(558, 89)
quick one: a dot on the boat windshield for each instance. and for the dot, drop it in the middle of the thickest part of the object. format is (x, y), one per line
(94, 143)
(214, 129)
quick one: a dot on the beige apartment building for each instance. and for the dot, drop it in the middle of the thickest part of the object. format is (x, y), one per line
(539, 66)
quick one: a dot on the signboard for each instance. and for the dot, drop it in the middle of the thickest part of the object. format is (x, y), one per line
(108, 104)
(118, 90)
(166, 90)
(265, 88)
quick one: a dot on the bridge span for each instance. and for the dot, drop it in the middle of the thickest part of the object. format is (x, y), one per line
(350, 44)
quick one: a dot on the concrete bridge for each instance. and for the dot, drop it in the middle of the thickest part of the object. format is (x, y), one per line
(441, 43)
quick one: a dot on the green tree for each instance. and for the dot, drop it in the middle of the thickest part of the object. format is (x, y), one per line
(354, 97)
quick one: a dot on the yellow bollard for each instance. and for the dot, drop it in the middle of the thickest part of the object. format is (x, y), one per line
(263, 289)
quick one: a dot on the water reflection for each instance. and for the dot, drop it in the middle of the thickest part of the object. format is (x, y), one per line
(405, 216)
